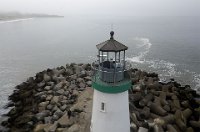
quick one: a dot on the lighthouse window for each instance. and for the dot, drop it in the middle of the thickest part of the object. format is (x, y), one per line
(103, 107)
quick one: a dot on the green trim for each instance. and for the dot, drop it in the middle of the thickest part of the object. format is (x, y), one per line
(111, 88)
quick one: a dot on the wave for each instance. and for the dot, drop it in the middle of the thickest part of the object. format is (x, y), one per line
(165, 69)
(16, 20)
(143, 45)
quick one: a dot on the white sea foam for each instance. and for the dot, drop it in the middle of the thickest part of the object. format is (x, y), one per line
(167, 67)
(16, 20)
(145, 45)
(196, 79)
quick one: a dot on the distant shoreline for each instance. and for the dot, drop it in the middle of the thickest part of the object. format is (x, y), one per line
(22, 19)
(14, 20)
(15, 16)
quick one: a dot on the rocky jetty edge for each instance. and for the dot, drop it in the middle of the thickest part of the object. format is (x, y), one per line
(60, 100)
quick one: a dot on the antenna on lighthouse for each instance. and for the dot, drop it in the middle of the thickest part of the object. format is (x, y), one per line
(111, 26)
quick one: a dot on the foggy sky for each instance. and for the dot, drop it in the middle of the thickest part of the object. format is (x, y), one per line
(105, 7)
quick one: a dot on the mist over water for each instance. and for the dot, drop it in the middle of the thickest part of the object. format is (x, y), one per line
(165, 45)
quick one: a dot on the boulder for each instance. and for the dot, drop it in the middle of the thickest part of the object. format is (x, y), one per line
(64, 121)
(59, 113)
(40, 94)
(89, 83)
(49, 97)
(55, 117)
(46, 78)
(82, 85)
(60, 92)
(79, 80)
(87, 78)
(58, 86)
(43, 104)
(63, 102)
(50, 83)
(48, 120)
(157, 109)
(41, 84)
(47, 88)
(55, 100)
(41, 127)
(55, 108)
(40, 116)
(69, 72)
(51, 128)
(66, 93)
(82, 74)
(50, 107)
(63, 108)
(74, 128)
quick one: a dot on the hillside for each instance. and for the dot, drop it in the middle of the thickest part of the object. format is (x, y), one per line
(17, 15)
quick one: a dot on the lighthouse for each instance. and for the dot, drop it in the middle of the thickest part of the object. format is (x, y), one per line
(110, 81)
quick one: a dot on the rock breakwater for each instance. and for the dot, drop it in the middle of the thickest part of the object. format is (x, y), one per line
(162, 106)
(43, 102)
(60, 100)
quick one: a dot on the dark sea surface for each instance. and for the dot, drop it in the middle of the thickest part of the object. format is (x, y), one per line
(169, 46)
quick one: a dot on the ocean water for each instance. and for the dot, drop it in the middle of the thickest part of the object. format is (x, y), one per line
(167, 45)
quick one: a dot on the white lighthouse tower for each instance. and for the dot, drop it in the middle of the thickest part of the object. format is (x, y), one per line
(110, 112)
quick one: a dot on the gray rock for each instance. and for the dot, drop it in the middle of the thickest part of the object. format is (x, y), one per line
(46, 78)
(50, 107)
(50, 83)
(59, 104)
(75, 92)
(73, 77)
(40, 116)
(82, 74)
(64, 121)
(87, 78)
(63, 108)
(55, 78)
(58, 86)
(89, 83)
(77, 69)
(72, 86)
(81, 89)
(41, 127)
(48, 120)
(51, 128)
(55, 108)
(49, 97)
(55, 72)
(43, 97)
(55, 117)
(74, 128)
(69, 72)
(50, 92)
(60, 92)
(89, 73)
(63, 102)
(66, 93)
(41, 84)
(43, 104)
(64, 97)
(61, 78)
(82, 85)
(59, 113)
(80, 80)
(55, 100)
(47, 88)
(40, 94)
(38, 89)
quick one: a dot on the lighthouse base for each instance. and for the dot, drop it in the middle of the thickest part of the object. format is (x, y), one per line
(110, 112)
